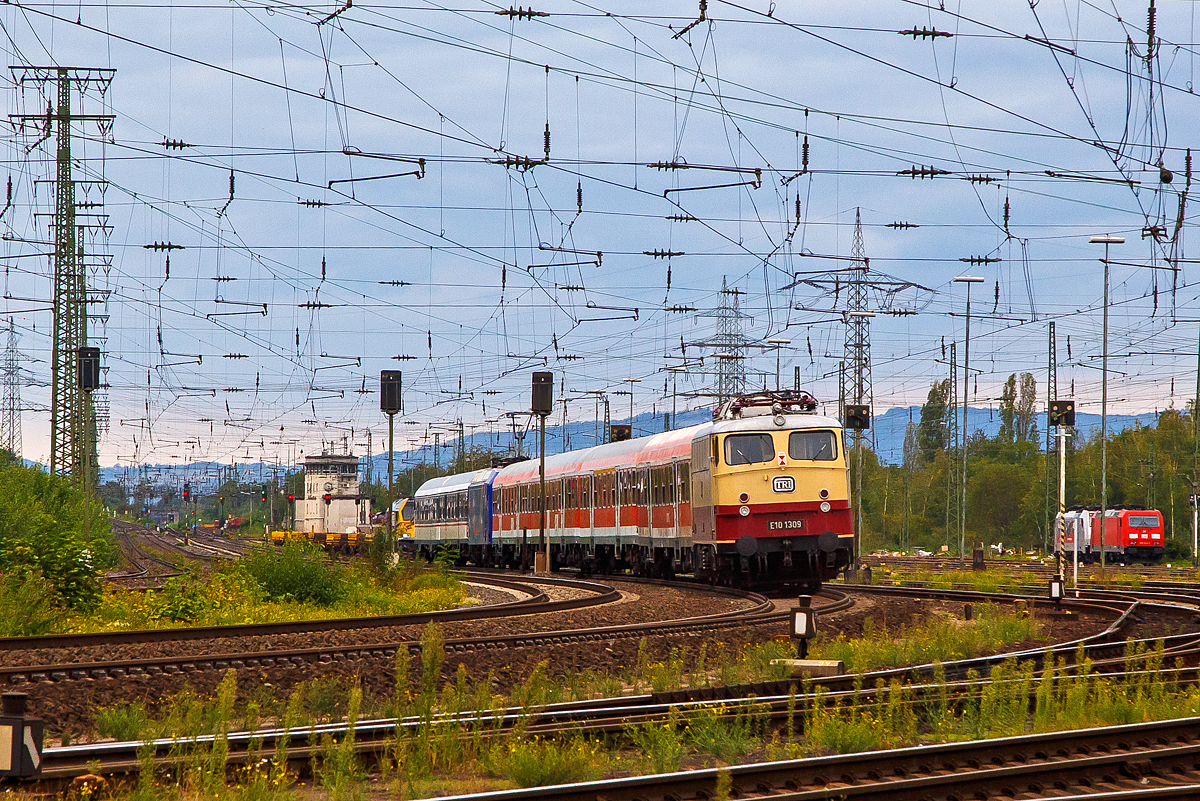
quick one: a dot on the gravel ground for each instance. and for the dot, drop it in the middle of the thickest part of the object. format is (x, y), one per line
(71, 706)
(656, 603)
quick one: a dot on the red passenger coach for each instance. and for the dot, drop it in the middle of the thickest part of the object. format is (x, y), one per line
(760, 495)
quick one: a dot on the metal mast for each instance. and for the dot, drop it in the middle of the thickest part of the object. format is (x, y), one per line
(1051, 449)
(951, 445)
(72, 422)
(731, 365)
(858, 332)
(857, 357)
(730, 343)
(10, 414)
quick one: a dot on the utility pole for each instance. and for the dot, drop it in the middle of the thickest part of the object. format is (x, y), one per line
(69, 421)
(857, 354)
(10, 413)
(1106, 241)
(1051, 396)
(951, 424)
(542, 405)
(962, 512)
(1195, 452)
(391, 402)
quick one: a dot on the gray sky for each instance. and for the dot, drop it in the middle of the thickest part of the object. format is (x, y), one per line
(500, 267)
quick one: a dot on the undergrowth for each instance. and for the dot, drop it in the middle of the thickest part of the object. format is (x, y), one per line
(294, 582)
(455, 736)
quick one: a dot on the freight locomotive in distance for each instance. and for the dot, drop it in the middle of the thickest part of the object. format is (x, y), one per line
(760, 496)
(1131, 534)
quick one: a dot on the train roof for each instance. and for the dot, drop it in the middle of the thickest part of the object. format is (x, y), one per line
(455, 483)
(654, 449)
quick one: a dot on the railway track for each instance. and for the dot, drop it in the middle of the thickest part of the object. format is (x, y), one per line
(1156, 760)
(958, 775)
(761, 610)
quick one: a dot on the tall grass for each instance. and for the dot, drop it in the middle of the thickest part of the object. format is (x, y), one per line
(937, 639)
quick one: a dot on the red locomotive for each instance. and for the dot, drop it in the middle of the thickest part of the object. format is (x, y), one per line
(1131, 534)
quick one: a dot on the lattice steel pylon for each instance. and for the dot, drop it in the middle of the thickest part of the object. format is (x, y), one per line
(729, 344)
(1051, 443)
(858, 332)
(72, 421)
(10, 413)
(952, 448)
(857, 359)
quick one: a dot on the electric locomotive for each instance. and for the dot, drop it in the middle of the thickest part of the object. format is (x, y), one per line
(758, 496)
(1131, 534)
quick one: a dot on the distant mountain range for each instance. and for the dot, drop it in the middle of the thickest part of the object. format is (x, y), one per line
(887, 435)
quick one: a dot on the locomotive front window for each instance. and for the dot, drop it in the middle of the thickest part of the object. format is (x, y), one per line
(1143, 521)
(749, 449)
(817, 446)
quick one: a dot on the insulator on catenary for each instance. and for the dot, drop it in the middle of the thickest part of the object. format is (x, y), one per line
(546, 143)
(168, 276)
(579, 196)
(804, 155)
(1006, 213)
(1150, 37)
(902, 226)
(797, 210)
(322, 268)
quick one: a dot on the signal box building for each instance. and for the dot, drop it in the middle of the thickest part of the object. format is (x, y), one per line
(332, 503)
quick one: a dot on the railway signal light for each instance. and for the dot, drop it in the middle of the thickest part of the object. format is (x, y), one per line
(291, 497)
(264, 494)
(543, 393)
(328, 499)
(391, 385)
(619, 432)
(1062, 413)
(187, 492)
(87, 369)
(857, 417)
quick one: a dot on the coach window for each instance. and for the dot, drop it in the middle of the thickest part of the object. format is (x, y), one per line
(749, 449)
(819, 446)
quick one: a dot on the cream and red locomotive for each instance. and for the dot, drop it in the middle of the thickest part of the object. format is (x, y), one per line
(758, 496)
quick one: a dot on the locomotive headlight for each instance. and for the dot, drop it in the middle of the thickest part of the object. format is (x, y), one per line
(825, 507)
(744, 497)
(744, 511)
(824, 494)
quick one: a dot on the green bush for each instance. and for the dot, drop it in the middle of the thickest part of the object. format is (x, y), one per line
(124, 722)
(537, 762)
(181, 599)
(29, 604)
(41, 528)
(296, 571)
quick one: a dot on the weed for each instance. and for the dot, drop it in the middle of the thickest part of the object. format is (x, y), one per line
(659, 743)
(536, 762)
(125, 722)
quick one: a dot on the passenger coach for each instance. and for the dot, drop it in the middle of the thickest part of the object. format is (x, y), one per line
(760, 495)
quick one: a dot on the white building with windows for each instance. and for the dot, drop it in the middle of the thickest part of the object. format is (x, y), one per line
(332, 503)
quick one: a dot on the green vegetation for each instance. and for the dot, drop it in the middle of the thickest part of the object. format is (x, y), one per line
(293, 582)
(1007, 498)
(936, 639)
(450, 749)
(45, 560)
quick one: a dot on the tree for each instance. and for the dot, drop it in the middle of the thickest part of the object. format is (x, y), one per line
(1008, 410)
(931, 432)
(41, 525)
(995, 498)
(1026, 416)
